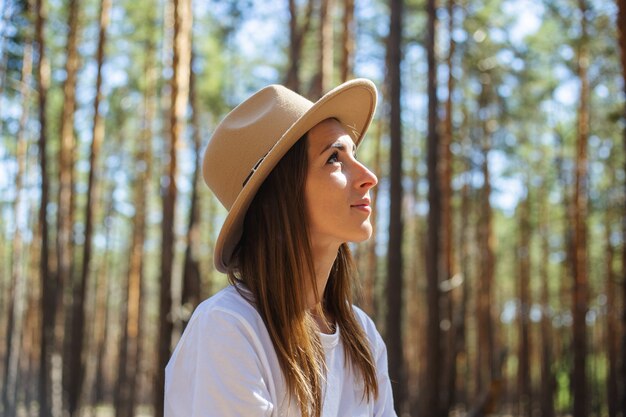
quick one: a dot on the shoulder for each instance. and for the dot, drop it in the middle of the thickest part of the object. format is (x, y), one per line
(229, 300)
(369, 327)
(227, 314)
(366, 322)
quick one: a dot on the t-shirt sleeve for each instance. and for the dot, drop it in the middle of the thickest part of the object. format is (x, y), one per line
(216, 370)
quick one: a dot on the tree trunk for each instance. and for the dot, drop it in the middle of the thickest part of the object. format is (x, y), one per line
(31, 342)
(414, 310)
(621, 30)
(190, 297)
(448, 386)
(524, 348)
(47, 267)
(547, 373)
(394, 255)
(179, 100)
(126, 394)
(347, 41)
(65, 213)
(464, 260)
(612, 321)
(103, 312)
(323, 79)
(487, 378)
(580, 280)
(17, 289)
(77, 359)
(129, 356)
(369, 303)
(296, 37)
(434, 355)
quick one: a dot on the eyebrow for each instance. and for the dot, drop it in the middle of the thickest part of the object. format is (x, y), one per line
(338, 145)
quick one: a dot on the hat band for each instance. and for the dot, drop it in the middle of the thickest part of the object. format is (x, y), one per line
(253, 170)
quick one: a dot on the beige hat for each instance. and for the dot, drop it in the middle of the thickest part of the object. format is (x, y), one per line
(254, 136)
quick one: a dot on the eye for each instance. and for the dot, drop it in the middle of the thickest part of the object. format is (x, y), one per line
(333, 158)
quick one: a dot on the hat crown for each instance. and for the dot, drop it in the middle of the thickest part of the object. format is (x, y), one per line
(246, 135)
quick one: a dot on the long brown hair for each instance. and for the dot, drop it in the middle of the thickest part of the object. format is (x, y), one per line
(274, 261)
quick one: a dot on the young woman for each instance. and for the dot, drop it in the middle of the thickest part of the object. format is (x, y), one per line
(284, 338)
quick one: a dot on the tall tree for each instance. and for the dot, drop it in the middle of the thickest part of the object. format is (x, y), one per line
(524, 347)
(487, 372)
(48, 406)
(190, 297)
(179, 100)
(580, 291)
(612, 320)
(347, 40)
(324, 77)
(394, 250)
(77, 360)
(447, 227)
(369, 303)
(130, 346)
(296, 38)
(621, 30)
(547, 373)
(433, 256)
(65, 207)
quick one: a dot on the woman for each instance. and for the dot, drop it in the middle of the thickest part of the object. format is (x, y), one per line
(284, 339)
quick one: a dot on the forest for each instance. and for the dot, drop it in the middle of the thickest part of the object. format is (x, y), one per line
(497, 270)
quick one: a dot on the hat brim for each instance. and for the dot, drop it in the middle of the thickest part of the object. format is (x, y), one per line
(352, 103)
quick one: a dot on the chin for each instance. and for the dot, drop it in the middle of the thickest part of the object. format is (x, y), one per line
(365, 234)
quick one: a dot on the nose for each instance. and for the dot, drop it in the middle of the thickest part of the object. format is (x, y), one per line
(366, 179)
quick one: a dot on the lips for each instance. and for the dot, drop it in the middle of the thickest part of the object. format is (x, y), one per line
(362, 204)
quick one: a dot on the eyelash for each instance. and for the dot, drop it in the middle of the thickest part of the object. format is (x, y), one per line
(334, 158)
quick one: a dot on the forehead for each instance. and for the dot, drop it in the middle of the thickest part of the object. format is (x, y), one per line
(328, 131)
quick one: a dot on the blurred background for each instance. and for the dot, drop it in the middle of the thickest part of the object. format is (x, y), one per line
(497, 272)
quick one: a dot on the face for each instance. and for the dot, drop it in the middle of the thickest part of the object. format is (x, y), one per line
(336, 188)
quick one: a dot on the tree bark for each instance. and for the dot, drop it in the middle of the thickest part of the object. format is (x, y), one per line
(323, 79)
(415, 309)
(103, 314)
(296, 37)
(487, 373)
(621, 30)
(190, 297)
(547, 373)
(347, 41)
(77, 359)
(434, 355)
(130, 346)
(394, 255)
(464, 260)
(580, 279)
(371, 271)
(47, 267)
(179, 100)
(612, 320)
(65, 213)
(448, 387)
(524, 347)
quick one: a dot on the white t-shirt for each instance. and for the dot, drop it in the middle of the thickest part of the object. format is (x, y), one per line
(225, 365)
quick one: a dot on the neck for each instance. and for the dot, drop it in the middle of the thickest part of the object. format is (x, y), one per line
(323, 259)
